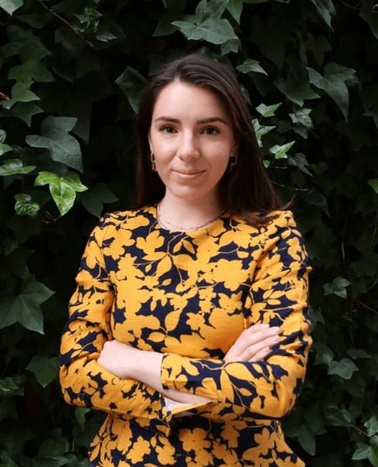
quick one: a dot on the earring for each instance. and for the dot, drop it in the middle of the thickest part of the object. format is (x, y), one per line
(153, 163)
(233, 162)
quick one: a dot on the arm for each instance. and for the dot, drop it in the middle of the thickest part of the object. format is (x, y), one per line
(278, 296)
(124, 361)
(84, 382)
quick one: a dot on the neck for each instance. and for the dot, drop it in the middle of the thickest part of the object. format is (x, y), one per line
(185, 215)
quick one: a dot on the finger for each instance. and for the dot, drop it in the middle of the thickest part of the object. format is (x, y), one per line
(251, 351)
(261, 355)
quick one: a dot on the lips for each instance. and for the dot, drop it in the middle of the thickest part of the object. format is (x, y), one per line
(188, 172)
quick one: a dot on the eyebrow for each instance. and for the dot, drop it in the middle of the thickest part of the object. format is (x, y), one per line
(200, 121)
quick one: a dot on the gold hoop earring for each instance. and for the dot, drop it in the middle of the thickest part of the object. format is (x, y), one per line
(153, 163)
(233, 162)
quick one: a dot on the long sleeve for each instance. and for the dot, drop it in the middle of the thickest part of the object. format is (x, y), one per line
(84, 382)
(278, 296)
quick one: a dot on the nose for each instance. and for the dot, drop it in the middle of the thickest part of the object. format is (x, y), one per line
(188, 149)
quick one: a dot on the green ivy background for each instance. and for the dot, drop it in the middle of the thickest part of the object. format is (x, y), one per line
(71, 73)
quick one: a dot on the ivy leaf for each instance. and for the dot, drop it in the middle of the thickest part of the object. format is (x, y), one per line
(80, 415)
(373, 182)
(25, 111)
(20, 93)
(235, 8)
(15, 167)
(45, 369)
(267, 110)
(343, 368)
(337, 287)
(94, 199)
(132, 84)
(326, 10)
(297, 91)
(251, 66)
(12, 386)
(212, 30)
(362, 452)
(31, 70)
(302, 117)
(25, 307)
(25, 206)
(333, 82)
(4, 148)
(372, 426)
(10, 6)
(369, 14)
(280, 151)
(55, 137)
(299, 160)
(62, 188)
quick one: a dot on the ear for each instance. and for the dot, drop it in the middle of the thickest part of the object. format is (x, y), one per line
(149, 142)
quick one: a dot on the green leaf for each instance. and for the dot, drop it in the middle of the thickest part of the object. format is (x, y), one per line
(12, 386)
(299, 160)
(45, 369)
(55, 137)
(326, 10)
(373, 182)
(94, 199)
(343, 368)
(280, 150)
(235, 8)
(362, 452)
(268, 110)
(10, 6)
(369, 14)
(337, 287)
(25, 111)
(54, 447)
(333, 82)
(62, 188)
(31, 70)
(302, 117)
(20, 93)
(372, 426)
(15, 167)
(251, 66)
(307, 440)
(298, 91)
(4, 148)
(132, 84)
(324, 355)
(25, 307)
(25, 206)
(49, 461)
(212, 30)
(80, 415)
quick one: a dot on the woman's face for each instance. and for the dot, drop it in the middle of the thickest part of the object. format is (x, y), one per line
(192, 139)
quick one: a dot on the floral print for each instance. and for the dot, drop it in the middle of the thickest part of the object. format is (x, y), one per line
(189, 295)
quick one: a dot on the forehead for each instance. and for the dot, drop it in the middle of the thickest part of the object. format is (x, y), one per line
(179, 92)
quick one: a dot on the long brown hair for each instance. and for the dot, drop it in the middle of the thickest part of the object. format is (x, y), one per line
(243, 190)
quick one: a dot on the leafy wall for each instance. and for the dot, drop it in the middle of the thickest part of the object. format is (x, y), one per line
(70, 79)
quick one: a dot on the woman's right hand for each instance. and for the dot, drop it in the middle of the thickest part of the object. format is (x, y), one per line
(254, 343)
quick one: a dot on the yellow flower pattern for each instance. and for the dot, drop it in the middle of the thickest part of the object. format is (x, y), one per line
(189, 295)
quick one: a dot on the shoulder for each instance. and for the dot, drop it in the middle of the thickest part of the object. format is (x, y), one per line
(127, 218)
(112, 224)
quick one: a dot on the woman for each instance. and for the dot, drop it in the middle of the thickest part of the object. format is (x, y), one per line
(189, 323)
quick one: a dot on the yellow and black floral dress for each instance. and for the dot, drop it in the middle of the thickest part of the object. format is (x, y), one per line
(189, 295)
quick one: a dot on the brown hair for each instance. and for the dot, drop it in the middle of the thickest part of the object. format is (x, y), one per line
(244, 189)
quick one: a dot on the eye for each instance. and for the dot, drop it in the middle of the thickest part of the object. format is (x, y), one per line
(211, 131)
(167, 129)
